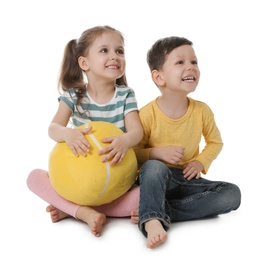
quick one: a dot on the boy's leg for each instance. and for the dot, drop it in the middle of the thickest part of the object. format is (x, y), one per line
(153, 179)
(204, 198)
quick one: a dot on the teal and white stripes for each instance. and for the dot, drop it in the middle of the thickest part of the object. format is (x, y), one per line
(114, 111)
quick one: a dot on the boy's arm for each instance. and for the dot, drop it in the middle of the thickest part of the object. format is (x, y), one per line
(213, 142)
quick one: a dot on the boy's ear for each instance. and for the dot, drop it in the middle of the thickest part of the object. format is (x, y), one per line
(156, 77)
(82, 63)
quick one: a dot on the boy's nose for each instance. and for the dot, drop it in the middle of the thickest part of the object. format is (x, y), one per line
(190, 66)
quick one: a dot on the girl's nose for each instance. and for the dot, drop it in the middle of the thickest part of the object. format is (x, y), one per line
(114, 56)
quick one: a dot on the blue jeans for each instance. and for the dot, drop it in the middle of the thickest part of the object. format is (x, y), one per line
(167, 196)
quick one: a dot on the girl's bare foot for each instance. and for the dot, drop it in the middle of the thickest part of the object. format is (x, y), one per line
(56, 214)
(134, 216)
(96, 223)
(156, 233)
(93, 218)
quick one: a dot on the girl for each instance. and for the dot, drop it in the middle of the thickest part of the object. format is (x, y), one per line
(98, 56)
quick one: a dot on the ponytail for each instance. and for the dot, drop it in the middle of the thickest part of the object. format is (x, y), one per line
(71, 75)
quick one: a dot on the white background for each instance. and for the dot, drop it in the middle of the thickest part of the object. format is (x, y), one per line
(233, 42)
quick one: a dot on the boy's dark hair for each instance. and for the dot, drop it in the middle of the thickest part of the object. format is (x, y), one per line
(161, 48)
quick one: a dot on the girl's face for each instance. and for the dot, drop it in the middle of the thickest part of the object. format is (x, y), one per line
(180, 70)
(105, 59)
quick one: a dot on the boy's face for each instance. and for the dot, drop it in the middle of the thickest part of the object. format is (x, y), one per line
(180, 72)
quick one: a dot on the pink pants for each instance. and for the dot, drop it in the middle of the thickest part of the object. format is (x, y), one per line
(39, 183)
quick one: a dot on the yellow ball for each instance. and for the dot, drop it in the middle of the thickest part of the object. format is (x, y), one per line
(87, 180)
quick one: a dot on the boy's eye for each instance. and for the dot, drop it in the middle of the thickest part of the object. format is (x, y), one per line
(180, 62)
(120, 51)
(194, 62)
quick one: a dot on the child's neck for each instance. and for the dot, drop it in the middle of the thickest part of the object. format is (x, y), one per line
(173, 107)
(101, 93)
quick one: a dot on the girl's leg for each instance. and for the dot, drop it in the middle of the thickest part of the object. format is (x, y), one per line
(124, 206)
(39, 183)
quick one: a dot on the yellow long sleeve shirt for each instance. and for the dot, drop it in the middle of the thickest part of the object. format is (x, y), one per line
(187, 131)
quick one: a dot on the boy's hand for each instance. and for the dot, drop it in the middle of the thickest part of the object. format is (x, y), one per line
(193, 170)
(170, 154)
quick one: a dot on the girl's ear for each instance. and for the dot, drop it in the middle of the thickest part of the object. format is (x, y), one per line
(82, 63)
(157, 78)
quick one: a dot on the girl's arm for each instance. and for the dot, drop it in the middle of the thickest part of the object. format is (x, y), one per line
(59, 131)
(119, 145)
(134, 130)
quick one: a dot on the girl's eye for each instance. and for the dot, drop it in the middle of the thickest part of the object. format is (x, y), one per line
(120, 51)
(180, 62)
(104, 50)
(194, 62)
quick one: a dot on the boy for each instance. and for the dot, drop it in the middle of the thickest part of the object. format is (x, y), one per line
(171, 188)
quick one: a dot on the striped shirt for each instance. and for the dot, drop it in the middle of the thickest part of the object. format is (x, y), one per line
(114, 111)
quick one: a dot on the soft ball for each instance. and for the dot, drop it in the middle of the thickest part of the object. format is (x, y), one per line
(85, 180)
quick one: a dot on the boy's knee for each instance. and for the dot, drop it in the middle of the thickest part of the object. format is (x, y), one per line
(232, 196)
(236, 196)
(154, 170)
(154, 165)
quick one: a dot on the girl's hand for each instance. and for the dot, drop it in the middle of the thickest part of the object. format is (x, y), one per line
(115, 150)
(193, 170)
(77, 142)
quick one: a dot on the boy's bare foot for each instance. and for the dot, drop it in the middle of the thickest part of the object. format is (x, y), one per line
(56, 214)
(156, 233)
(93, 218)
(134, 216)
